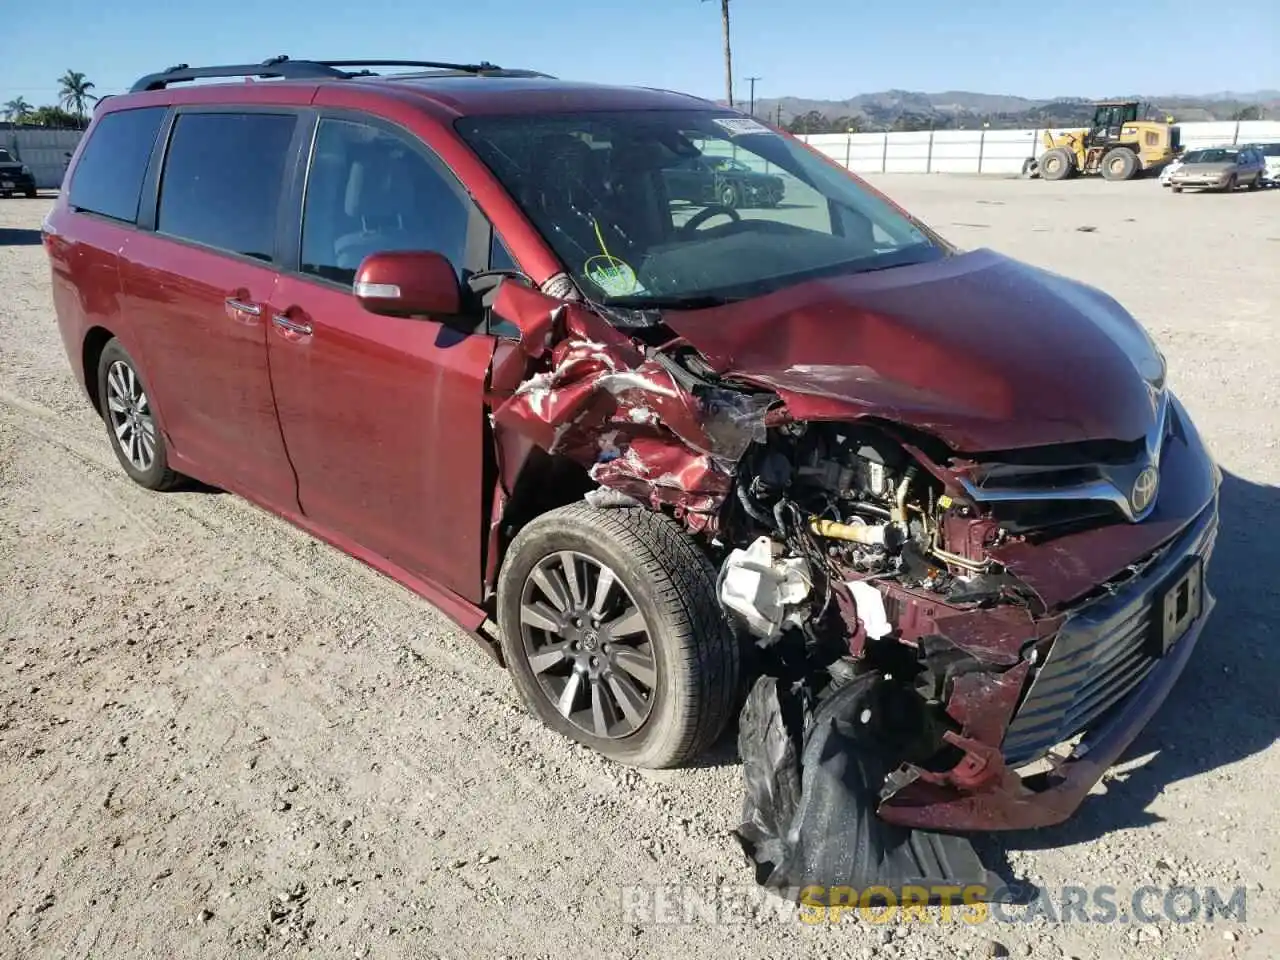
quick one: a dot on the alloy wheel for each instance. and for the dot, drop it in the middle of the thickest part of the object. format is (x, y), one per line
(588, 645)
(130, 415)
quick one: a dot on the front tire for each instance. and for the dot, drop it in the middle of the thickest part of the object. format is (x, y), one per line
(729, 197)
(129, 412)
(1119, 164)
(1056, 164)
(613, 634)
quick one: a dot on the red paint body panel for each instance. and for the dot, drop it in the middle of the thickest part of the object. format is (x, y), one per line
(384, 421)
(85, 277)
(206, 360)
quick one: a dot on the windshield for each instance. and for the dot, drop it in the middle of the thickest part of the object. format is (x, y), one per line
(643, 212)
(1210, 156)
(1268, 149)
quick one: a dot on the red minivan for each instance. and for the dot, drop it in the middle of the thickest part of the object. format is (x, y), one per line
(653, 439)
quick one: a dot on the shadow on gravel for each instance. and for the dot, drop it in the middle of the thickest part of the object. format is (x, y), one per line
(1223, 708)
(19, 237)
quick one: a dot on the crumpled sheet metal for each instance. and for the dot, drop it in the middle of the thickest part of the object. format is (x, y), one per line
(809, 818)
(602, 402)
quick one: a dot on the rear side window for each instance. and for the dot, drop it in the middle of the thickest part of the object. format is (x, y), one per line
(108, 178)
(222, 180)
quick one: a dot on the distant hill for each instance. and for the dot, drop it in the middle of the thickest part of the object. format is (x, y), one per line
(960, 109)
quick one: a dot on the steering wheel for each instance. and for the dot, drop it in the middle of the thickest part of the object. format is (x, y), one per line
(705, 214)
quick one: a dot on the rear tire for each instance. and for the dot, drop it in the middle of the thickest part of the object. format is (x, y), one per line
(1176, 189)
(132, 425)
(1231, 185)
(31, 194)
(676, 643)
(1119, 163)
(1056, 164)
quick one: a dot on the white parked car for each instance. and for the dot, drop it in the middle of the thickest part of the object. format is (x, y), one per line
(1170, 169)
(1270, 151)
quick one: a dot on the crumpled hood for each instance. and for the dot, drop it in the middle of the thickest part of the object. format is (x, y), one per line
(982, 351)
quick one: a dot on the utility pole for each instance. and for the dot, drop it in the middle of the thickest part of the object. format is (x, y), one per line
(728, 54)
(752, 81)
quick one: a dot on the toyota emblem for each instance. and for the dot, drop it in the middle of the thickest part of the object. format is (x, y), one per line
(1144, 490)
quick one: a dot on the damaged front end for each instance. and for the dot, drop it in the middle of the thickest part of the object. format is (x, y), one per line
(945, 642)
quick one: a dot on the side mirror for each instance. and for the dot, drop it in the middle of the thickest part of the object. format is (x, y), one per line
(405, 283)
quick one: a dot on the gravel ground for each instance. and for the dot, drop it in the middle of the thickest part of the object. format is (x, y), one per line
(219, 737)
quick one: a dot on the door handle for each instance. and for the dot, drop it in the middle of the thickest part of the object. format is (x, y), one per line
(292, 326)
(241, 306)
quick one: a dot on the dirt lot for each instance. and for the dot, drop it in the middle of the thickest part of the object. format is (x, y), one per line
(218, 737)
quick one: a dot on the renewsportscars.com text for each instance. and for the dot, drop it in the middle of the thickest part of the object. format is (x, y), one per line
(676, 904)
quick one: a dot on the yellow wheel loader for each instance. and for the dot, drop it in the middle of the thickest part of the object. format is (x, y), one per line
(1118, 145)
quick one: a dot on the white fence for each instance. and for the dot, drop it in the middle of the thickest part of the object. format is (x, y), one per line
(991, 151)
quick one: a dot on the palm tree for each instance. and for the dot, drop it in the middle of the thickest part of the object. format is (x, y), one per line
(73, 92)
(17, 110)
(728, 55)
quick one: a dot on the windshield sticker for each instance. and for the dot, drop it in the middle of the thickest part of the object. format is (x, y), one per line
(615, 277)
(740, 126)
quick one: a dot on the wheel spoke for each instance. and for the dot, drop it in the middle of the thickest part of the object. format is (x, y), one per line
(629, 623)
(132, 381)
(569, 694)
(142, 403)
(639, 664)
(547, 657)
(628, 698)
(541, 616)
(123, 428)
(552, 588)
(147, 439)
(569, 564)
(604, 584)
(133, 447)
(115, 380)
(114, 403)
(599, 699)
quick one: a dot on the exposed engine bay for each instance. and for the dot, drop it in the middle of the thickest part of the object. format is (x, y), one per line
(847, 503)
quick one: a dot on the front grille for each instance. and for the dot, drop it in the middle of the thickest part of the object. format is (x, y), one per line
(1099, 656)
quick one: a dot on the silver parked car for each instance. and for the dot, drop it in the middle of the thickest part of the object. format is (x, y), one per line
(1218, 168)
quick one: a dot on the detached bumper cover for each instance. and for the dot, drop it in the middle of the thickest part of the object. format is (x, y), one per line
(1101, 677)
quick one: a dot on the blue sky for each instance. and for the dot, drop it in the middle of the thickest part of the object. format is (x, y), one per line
(811, 48)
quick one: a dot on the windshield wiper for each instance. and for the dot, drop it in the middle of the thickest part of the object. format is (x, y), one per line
(700, 301)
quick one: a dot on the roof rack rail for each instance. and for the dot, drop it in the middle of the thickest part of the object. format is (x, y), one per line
(284, 68)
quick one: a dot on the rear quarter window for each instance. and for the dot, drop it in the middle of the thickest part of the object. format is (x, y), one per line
(108, 178)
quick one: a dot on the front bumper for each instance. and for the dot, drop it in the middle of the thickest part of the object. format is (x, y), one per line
(1100, 679)
(1199, 183)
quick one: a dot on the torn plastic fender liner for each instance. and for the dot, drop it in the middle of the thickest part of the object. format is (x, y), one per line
(809, 818)
(601, 402)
